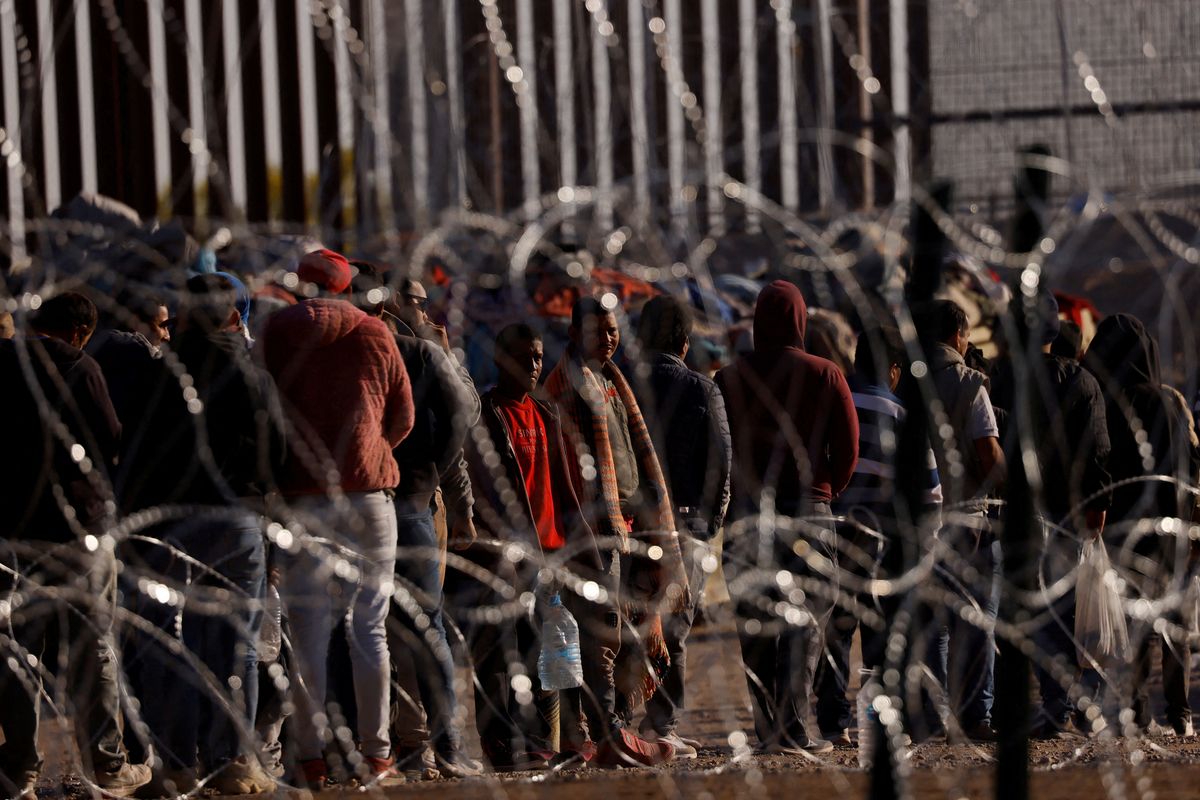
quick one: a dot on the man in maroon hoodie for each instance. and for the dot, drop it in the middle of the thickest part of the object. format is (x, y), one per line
(795, 444)
(349, 404)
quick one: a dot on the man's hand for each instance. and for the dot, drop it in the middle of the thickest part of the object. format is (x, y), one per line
(437, 334)
(462, 534)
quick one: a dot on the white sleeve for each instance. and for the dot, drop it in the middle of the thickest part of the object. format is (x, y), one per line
(983, 418)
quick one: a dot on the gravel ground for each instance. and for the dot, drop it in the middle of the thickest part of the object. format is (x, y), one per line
(719, 715)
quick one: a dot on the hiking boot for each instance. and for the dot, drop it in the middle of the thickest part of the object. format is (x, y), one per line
(457, 765)
(983, 733)
(574, 755)
(381, 773)
(839, 738)
(627, 749)
(126, 780)
(314, 774)
(417, 763)
(242, 776)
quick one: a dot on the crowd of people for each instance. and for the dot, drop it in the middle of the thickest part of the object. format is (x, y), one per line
(176, 493)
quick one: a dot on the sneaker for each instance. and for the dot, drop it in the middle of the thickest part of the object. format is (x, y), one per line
(125, 781)
(314, 774)
(683, 749)
(241, 776)
(417, 763)
(1183, 728)
(23, 783)
(457, 765)
(169, 783)
(574, 755)
(839, 738)
(381, 773)
(813, 747)
(626, 749)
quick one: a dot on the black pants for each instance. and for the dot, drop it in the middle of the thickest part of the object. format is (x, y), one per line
(780, 652)
(1176, 673)
(63, 612)
(507, 722)
(666, 705)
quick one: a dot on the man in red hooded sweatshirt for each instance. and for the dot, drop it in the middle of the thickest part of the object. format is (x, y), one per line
(795, 443)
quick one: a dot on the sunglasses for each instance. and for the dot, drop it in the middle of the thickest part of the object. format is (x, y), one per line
(420, 302)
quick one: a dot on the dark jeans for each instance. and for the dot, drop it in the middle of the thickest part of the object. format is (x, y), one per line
(964, 653)
(200, 700)
(862, 559)
(507, 725)
(593, 708)
(1054, 638)
(780, 654)
(665, 706)
(418, 569)
(1176, 674)
(63, 603)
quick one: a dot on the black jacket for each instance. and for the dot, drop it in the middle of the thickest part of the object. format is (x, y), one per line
(127, 360)
(53, 401)
(445, 409)
(502, 510)
(1124, 359)
(1069, 426)
(228, 444)
(685, 413)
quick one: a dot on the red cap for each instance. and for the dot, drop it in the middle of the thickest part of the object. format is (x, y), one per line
(327, 269)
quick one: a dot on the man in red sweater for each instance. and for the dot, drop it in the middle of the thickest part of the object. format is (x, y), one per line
(347, 397)
(795, 444)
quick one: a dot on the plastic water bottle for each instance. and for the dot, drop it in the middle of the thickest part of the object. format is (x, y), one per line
(559, 663)
(868, 688)
(270, 635)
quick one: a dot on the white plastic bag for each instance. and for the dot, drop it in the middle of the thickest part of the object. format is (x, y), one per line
(1100, 630)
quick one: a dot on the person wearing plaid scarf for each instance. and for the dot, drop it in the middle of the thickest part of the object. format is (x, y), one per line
(620, 485)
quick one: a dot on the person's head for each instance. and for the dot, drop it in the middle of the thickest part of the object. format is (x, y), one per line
(518, 355)
(69, 316)
(329, 271)
(209, 305)
(880, 357)
(366, 288)
(412, 304)
(944, 321)
(594, 332)
(7, 329)
(1069, 342)
(665, 326)
(151, 317)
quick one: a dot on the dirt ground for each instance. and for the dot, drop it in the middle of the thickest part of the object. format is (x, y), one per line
(719, 716)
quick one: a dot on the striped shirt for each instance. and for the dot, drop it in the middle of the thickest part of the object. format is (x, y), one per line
(871, 494)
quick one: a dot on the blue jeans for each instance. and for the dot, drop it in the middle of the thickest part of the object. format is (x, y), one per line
(418, 570)
(964, 660)
(188, 691)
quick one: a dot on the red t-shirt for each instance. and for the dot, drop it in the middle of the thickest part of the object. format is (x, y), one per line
(528, 432)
